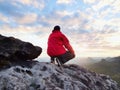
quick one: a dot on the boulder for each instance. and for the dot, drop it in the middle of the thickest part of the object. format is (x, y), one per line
(12, 49)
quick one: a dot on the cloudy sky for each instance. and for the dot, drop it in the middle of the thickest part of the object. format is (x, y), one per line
(92, 26)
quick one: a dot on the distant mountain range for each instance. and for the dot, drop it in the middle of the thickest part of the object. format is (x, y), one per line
(109, 66)
(82, 61)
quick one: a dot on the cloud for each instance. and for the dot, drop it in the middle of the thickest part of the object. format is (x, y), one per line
(35, 35)
(3, 18)
(27, 2)
(111, 6)
(8, 9)
(103, 17)
(65, 1)
(113, 39)
(116, 6)
(92, 26)
(89, 1)
(36, 3)
(96, 44)
(64, 13)
(27, 19)
(18, 8)
(19, 12)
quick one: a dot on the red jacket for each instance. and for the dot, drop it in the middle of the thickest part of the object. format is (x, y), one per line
(58, 44)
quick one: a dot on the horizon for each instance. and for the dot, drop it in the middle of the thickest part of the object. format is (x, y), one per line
(78, 60)
(93, 27)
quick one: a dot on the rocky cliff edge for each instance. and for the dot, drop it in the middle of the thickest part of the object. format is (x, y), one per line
(19, 71)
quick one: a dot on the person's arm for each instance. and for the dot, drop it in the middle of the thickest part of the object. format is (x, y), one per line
(67, 44)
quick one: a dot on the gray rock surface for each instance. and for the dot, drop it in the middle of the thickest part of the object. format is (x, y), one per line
(46, 76)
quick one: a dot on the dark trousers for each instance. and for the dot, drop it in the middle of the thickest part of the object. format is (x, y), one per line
(64, 57)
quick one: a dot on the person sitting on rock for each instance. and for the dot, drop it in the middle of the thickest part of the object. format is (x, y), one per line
(59, 46)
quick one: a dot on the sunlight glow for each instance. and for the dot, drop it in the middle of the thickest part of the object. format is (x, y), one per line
(114, 40)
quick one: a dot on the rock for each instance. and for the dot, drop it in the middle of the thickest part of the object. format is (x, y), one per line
(46, 76)
(14, 49)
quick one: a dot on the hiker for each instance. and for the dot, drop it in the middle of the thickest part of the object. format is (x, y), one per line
(59, 46)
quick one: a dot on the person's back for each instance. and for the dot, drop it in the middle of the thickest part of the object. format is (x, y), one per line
(55, 44)
(59, 46)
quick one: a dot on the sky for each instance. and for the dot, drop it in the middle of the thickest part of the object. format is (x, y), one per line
(92, 26)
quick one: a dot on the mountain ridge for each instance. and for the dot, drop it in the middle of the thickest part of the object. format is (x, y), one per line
(109, 66)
